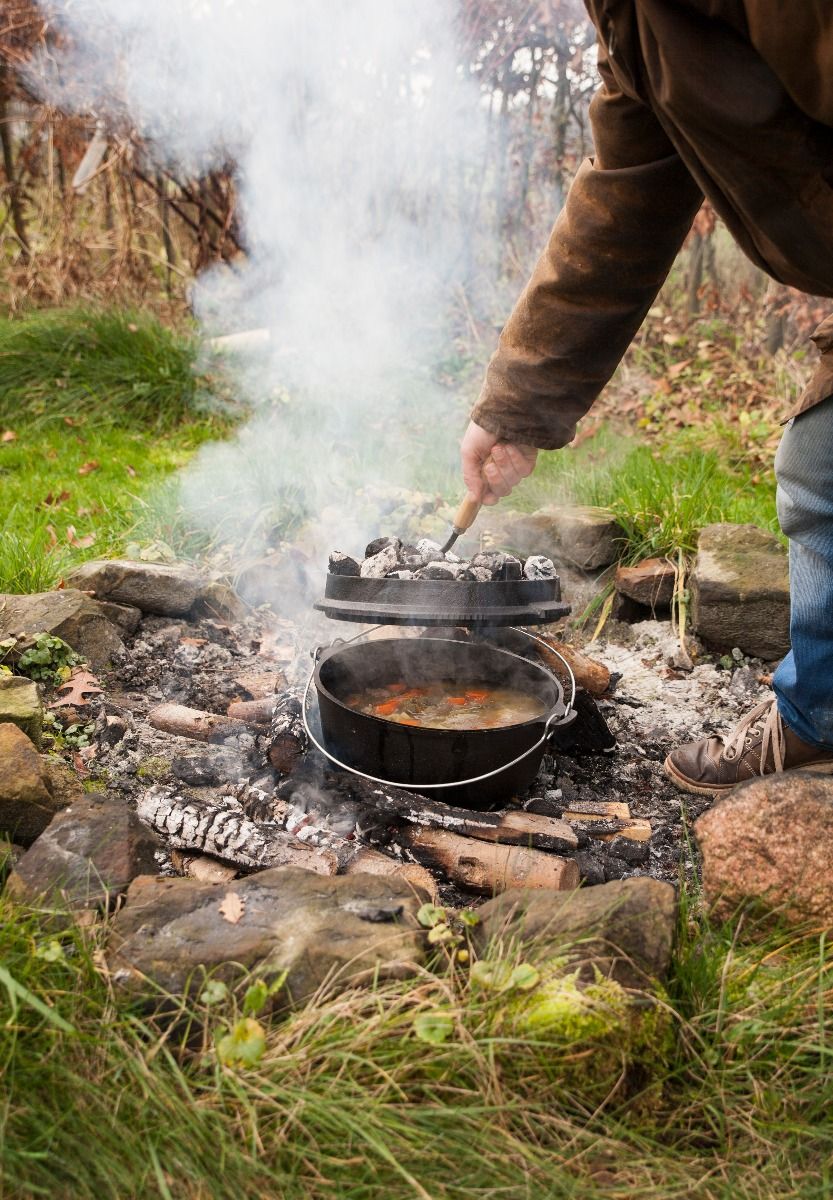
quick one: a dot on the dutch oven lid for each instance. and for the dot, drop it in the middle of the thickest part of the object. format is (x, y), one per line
(442, 601)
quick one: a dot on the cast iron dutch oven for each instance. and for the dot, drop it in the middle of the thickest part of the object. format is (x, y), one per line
(437, 758)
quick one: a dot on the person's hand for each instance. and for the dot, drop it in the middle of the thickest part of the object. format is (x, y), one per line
(510, 464)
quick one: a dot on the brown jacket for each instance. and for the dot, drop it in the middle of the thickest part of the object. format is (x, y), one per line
(728, 98)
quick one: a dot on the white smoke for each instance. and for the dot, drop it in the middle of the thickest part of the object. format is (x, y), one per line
(355, 143)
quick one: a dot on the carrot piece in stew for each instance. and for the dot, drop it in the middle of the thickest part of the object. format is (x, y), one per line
(476, 695)
(388, 707)
(458, 700)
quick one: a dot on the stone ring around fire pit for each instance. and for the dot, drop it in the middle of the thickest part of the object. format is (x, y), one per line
(428, 759)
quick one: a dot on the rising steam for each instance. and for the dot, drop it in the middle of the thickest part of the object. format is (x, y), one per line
(354, 143)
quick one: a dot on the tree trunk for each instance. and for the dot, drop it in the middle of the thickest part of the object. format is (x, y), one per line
(12, 181)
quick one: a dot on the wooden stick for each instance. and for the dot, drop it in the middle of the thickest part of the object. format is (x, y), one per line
(487, 868)
(222, 830)
(194, 723)
(253, 712)
(590, 674)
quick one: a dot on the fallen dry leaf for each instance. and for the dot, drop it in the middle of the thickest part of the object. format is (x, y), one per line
(87, 468)
(79, 689)
(82, 543)
(189, 641)
(53, 537)
(232, 907)
(8, 435)
(131, 471)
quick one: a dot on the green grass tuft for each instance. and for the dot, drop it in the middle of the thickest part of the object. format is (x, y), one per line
(662, 498)
(345, 1102)
(120, 367)
(98, 411)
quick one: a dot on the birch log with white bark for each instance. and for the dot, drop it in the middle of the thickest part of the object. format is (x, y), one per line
(223, 830)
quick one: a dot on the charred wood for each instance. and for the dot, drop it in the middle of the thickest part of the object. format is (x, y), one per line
(223, 830)
(508, 827)
(287, 738)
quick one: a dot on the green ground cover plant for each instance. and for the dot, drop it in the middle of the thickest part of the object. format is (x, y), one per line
(430, 1088)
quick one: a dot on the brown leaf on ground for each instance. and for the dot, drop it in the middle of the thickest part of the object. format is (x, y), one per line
(8, 435)
(232, 907)
(53, 537)
(78, 690)
(87, 468)
(54, 499)
(131, 471)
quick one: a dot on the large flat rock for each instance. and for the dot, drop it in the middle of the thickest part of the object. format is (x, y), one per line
(740, 591)
(338, 930)
(623, 929)
(771, 843)
(87, 856)
(67, 614)
(169, 589)
(586, 537)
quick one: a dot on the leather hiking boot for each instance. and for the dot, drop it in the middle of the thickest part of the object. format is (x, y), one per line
(761, 744)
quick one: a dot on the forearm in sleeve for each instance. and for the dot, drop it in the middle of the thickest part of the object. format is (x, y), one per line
(606, 259)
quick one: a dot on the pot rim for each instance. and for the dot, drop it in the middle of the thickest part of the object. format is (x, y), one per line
(559, 709)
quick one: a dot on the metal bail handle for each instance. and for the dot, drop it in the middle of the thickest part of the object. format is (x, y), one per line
(549, 726)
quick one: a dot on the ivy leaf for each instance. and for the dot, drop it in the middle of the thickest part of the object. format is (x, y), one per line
(214, 992)
(524, 976)
(434, 1028)
(255, 998)
(430, 915)
(489, 973)
(243, 1045)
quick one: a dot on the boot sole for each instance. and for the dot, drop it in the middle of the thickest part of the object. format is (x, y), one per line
(697, 789)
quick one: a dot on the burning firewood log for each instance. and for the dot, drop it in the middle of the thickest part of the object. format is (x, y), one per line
(287, 737)
(222, 830)
(508, 827)
(194, 723)
(490, 868)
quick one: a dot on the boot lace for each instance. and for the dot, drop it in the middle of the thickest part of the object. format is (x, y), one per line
(762, 722)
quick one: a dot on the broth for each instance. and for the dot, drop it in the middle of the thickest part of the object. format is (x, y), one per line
(448, 705)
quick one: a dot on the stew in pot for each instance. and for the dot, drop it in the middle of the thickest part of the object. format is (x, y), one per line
(448, 705)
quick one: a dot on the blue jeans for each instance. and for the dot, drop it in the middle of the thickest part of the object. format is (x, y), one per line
(803, 682)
